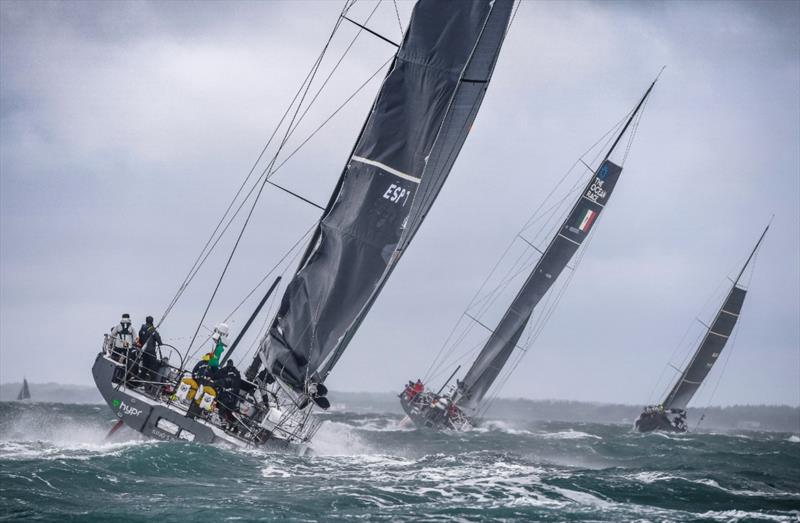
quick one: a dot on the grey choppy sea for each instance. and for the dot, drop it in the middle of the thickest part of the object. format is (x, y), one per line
(55, 465)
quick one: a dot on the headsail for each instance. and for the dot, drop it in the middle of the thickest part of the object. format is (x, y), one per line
(713, 342)
(418, 123)
(571, 234)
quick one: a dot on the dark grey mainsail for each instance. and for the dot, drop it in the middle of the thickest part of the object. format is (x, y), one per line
(503, 340)
(24, 392)
(714, 341)
(418, 123)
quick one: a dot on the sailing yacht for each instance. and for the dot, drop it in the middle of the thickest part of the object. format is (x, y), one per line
(24, 392)
(670, 414)
(459, 408)
(401, 159)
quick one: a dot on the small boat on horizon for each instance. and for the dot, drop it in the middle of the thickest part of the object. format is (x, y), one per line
(25, 391)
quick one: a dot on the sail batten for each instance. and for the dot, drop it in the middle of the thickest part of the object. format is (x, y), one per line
(401, 159)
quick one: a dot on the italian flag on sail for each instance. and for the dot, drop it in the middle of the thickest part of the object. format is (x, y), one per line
(587, 220)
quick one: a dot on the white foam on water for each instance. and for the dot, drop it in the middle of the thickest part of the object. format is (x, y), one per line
(502, 426)
(339, 439)
(568, 434)
(650, 477)
(794, 438)
(274, 472)
(747, 493)
(52, 435)
(582, 498)
(732, 516)
(45, 450)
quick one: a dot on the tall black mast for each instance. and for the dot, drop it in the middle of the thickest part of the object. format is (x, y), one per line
(633, 115)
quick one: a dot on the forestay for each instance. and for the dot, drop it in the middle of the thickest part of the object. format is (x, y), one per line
(405, 151)
(565, 243)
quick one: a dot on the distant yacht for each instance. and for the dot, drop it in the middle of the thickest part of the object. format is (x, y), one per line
(25, 391)
(670, 414)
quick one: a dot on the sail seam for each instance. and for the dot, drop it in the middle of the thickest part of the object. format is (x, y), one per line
(570, 239)
(717, 334)
(731, 313)
(390, 170)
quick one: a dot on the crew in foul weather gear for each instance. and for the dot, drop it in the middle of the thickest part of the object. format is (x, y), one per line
(149, 339)
(123, 337)
(229, 381)
(202, 373)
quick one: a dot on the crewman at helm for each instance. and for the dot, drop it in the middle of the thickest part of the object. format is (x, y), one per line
(220, 340)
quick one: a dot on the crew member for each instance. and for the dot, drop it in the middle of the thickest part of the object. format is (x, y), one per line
(123, 336)
(203, 376)
(123, 344)
(229, 381)
(418, 388)
(149, 339)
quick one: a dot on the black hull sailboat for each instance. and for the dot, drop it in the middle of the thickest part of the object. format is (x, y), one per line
(402, 157)
(670, 415)
(459, 408)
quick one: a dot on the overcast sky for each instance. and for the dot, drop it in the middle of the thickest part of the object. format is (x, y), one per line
(125, 129)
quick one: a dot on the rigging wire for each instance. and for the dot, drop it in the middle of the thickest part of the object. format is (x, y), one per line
(269, 171)
(286, 136)
(399, 23)
(261, 282)
(195, 265)
(291, 128)
(275, 170)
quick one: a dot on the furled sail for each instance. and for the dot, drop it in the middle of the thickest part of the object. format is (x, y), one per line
(416, 128)
(713, 342)
(503, 340)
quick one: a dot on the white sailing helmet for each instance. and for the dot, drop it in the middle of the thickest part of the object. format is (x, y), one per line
(221, 332)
